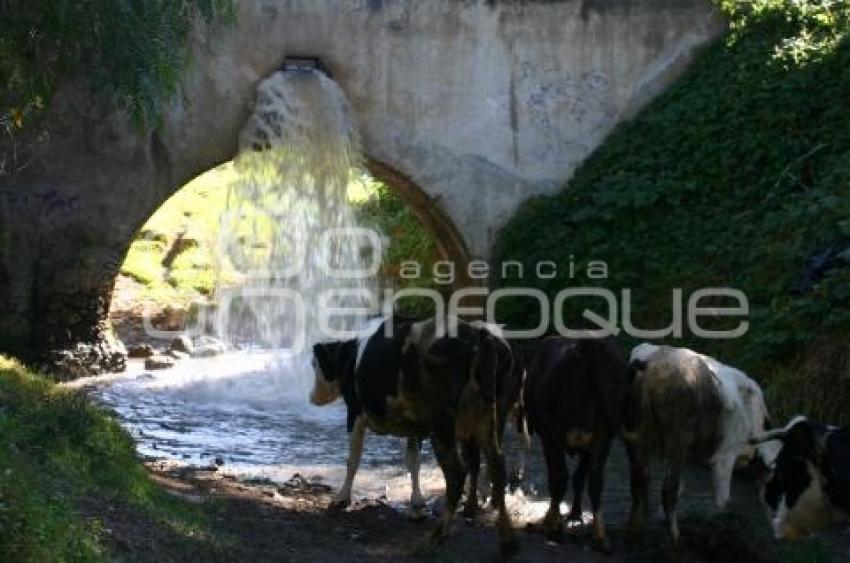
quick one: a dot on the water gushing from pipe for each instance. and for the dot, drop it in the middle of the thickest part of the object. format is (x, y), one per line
(289, 221)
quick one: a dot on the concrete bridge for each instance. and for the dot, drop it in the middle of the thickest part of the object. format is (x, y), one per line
(467, 107)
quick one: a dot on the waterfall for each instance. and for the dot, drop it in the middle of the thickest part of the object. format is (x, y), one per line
(289, 230)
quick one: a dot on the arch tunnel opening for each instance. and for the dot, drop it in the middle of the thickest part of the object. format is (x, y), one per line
(246, 410)
(174, 267)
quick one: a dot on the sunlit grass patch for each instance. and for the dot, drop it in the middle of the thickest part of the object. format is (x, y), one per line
(58, 453)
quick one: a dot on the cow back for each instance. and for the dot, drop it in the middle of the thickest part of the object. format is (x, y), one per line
(681, 405)
(575, 384)
(384, 366)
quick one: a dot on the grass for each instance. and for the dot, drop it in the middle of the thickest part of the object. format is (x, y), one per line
(59, 454)
(195, 212)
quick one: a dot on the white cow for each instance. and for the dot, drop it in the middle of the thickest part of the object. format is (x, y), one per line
(696, 407)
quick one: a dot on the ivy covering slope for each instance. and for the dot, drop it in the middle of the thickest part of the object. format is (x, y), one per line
(737, 176)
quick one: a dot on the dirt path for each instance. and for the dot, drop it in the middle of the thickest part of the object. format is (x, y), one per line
(268, 522)
(263, 521)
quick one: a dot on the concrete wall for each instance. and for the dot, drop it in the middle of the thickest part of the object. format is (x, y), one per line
(480, 104)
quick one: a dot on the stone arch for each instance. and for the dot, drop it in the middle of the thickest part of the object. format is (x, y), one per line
(480, 105)
(448, 238)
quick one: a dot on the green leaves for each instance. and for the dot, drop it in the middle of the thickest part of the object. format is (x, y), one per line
(131, 50)
(735, 177)
(408, 241)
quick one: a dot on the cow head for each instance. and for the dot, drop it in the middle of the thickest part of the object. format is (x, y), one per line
(333, 362)
(792, 484)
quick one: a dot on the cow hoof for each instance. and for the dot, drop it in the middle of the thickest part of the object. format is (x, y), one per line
(438, 537)
(552, 528)
(634, 537)
(635, 531)
(508, 547)
(554, 534)
(339, 504)
(470, 511)
(633, 541)
(417, 513)
(603, 545)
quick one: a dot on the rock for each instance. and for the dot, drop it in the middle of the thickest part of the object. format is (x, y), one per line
(182, 344)
(107, 355)
(141, 351)
(159, 361)
(206, 339)
(208, 346)
(202, 316)
(66, 365)
(171, 318)
(208, 350)
(152, 235)
(177, 355)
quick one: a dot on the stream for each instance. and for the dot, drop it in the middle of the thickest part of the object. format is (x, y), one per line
(248, 413)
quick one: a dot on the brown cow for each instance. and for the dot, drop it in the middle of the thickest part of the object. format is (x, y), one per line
(574, 396)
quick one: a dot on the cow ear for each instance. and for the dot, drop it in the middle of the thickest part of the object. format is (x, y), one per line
(801, 439)
(323, 355)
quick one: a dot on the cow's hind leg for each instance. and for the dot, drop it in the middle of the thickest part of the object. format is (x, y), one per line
(559, 476)
(411, 458)
(670, 496)
(721, 471)
(355, 451)
(579, 478)
(445, 450)
(639, 484)
(498, 478)
(598, 457)
(472, 459)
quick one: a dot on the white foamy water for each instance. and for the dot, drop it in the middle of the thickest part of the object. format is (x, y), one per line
(250, 410)
(289, 229)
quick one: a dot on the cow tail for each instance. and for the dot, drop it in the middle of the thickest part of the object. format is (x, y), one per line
(497, 438)
(521, 415)
(635, 367)
(494, 395)
(646, 414)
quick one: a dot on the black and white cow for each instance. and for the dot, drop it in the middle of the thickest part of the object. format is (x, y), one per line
(336, 363)
(573, 397)
(688, 407)
(808, 486)
(416, 381)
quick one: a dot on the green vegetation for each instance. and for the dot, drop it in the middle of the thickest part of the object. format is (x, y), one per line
(191, 215)
(134, 52)
(194, 212)
(734, 177)
(384, 211)
(59, 455)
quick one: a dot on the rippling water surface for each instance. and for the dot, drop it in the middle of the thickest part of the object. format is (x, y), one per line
(250, 410)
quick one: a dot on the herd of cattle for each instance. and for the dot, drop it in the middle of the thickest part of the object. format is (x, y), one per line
(457, 383)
